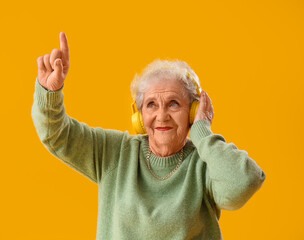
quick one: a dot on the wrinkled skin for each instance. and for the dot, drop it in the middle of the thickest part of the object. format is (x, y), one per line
(165, 114)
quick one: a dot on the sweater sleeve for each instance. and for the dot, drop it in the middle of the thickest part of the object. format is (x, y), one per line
(75, 143)
(232, 177)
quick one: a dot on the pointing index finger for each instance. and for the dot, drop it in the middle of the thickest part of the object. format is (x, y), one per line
(64, 49)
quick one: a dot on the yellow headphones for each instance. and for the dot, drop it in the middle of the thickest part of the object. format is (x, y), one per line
(137, 120)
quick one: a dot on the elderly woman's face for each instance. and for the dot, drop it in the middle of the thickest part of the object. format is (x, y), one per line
(165, 112)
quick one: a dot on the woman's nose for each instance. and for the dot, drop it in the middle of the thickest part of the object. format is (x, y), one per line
(162, 115)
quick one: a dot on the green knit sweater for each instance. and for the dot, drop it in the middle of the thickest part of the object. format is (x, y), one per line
(132, 203)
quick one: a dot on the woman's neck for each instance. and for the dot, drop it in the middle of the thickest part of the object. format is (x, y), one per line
(166, 150)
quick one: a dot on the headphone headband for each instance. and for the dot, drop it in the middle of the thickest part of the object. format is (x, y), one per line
(189, 75)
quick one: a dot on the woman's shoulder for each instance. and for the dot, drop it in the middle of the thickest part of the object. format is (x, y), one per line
(189, 146)
(120, 136)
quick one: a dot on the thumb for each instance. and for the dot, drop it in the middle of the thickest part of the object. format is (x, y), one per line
(58, 67)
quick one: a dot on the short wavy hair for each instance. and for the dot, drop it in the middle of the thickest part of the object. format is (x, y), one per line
(162, 70)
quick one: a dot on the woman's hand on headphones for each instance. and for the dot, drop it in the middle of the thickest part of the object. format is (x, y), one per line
(205, 109)
(53, 68)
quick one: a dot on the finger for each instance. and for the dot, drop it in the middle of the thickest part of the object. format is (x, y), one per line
(203, 103)
(205, 99)
(208, 107)
(58, 68)
(202, 96)
(47, 64)
(56, 53)
(41, 66)
(207, 96)
(209, 102)
(64, 49)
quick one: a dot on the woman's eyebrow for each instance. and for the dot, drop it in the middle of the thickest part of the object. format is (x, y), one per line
(174, 97)
(150, 99)
(169, 97)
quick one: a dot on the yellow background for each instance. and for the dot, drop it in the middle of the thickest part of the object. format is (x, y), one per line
(248, 55)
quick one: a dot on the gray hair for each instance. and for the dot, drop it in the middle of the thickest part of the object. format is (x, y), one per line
(162, 70)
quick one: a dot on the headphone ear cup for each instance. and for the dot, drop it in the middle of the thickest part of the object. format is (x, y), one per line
(193, 111)
(138, 123)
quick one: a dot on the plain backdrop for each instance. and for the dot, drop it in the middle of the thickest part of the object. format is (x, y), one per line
(247, 54)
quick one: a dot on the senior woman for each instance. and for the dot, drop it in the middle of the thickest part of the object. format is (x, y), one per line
(158, 184)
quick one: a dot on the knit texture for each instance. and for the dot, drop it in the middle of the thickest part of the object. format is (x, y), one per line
(132, 203)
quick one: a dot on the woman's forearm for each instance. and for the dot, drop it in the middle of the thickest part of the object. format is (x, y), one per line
(73, 142)
(232, 177)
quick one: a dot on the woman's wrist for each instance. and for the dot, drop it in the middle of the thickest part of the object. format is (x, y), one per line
(202, 116)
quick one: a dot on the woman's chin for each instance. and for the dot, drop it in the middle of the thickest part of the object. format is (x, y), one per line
(166, 141)
(165, 136)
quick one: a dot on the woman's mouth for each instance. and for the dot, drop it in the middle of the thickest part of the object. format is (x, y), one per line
(163, 128)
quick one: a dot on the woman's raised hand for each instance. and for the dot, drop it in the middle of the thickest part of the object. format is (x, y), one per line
(205, 109)
(53, 68)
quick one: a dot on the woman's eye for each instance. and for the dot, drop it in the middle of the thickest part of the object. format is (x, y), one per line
(174, 104)
(150, 104)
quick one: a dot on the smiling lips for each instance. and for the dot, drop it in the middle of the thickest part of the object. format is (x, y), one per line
(163, 128)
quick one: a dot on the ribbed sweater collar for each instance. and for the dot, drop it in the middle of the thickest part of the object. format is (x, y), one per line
(165, 161)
